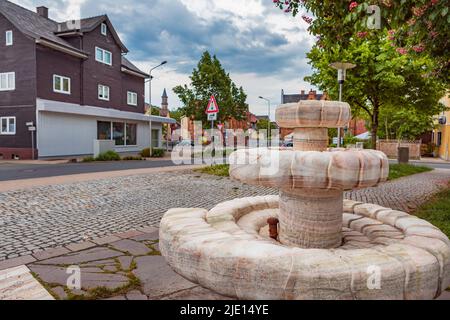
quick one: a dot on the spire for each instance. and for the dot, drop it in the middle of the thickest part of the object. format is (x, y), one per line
(164, 105)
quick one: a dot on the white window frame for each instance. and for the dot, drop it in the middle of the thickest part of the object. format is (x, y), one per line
(9, 38)
(7, 132)
(61, 90)
(8, 75)
(132, 102)
(103, 60)
(104, 29)
(105, 89)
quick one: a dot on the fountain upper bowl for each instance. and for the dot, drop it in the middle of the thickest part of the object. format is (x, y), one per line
(313, 114)
(344, 169)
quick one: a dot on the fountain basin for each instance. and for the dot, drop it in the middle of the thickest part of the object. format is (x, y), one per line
(343, 169)
(228, 250)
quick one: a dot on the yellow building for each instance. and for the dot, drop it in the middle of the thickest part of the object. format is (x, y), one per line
(441, 136)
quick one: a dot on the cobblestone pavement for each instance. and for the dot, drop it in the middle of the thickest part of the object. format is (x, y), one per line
(36, 219)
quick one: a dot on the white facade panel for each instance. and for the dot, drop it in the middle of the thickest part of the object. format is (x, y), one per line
(61, 135)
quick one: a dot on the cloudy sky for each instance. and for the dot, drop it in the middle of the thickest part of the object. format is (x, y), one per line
(262, 48)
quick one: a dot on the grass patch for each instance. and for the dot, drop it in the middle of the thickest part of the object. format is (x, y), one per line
(396, 170)
(437, 211)
(221, 170)
(403, 170)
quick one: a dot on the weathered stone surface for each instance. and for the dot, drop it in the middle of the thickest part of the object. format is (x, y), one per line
(117, 298)
(445, 296)
(11, 263)
(147, 236)
(60, 292)
(196, 294)
(132, 247)
(136, 295)
(128, 234)
(80, 246)
(18, 284)
(106, 240)
(47, 254)
(84, 256)
(196, 245)
(89, 280)
(157, 278)
(125, 262)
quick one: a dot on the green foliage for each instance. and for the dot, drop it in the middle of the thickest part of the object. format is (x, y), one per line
(406, 123)
(156, 153)
(417, 26)
(222, 170)
(177, 114)
(131, 158)
(384, 79)
(209, 78)
(437, 211)
(88, 159)
(397, 171)
(263, 124)
(108, 156)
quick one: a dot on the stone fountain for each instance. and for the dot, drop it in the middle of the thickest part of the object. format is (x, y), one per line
(318, 245)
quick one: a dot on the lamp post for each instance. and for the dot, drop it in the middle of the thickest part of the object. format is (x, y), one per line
(269, 127)
(342, 68)
(150, 102)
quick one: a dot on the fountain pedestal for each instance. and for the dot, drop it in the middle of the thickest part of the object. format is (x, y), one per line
(311, 218)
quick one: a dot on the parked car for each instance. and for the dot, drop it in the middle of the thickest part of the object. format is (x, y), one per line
(288, 144)
(186, 143)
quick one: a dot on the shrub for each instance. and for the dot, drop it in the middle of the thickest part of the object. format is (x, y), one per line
(89, 159)
(157, 153)
(108, 156)
(145, 153)
(132, 158)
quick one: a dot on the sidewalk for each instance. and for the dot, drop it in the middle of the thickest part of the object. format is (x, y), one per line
(60, 180)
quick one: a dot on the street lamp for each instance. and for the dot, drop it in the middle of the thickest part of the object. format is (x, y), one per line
(269, 124)
(342, 68)
(150, 102)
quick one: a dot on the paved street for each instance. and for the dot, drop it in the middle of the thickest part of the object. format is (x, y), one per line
(12, 171)
(50, 216)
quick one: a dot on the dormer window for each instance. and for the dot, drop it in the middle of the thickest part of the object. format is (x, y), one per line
(103, 56)
(9, 38)
(104, 29)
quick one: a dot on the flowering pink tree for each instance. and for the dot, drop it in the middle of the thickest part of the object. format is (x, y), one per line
(416, 26)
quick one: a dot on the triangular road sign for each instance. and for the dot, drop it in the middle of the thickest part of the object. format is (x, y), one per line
(213, 107)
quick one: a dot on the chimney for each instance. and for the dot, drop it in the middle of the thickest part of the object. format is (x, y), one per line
(42, 11)
(312, 95)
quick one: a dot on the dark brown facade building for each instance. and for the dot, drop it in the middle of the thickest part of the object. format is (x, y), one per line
(65, 84)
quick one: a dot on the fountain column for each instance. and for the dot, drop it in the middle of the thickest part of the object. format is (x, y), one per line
(311, 218)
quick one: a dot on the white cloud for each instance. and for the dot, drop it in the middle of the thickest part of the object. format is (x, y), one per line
(263, 48)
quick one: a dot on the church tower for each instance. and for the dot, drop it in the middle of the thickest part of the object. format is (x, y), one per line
(164, 105)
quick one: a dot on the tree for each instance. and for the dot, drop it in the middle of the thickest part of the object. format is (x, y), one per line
(209, 78)
(383, 78)
(263, 124)
(416, 26)
(177, 114)
(409, 124)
